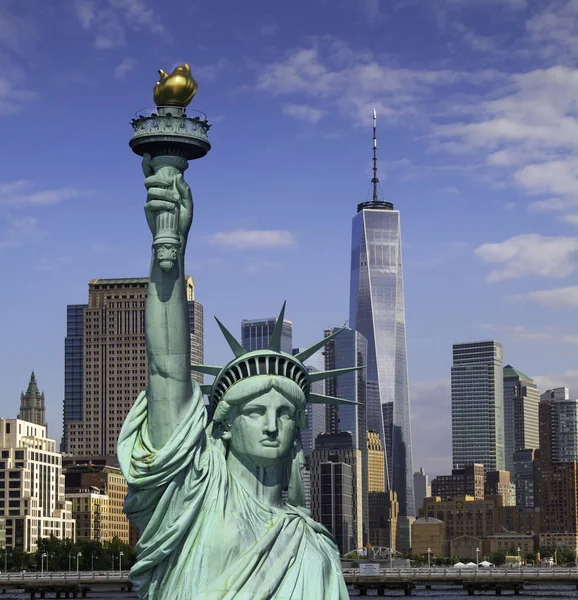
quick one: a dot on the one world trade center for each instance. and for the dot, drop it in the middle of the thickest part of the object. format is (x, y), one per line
(376, 310)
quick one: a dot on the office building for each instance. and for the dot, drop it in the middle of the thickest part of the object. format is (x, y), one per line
(558, 463)
(526, 477)
(422, 488)
(106, 364)
(90, 510)
(32, 406)
(315, 412)
(349, 348)
(111, 484)
(428, 537)
(521, 404)
(498, 483)
(477, 389)
(338, 448)
(467, 481)
(336, 502)
(377, 311)
(32, 504)
(256, 333)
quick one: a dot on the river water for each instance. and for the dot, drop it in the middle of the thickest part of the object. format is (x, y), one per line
(437, 593)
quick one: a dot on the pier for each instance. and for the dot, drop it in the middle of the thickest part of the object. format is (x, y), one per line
(471, 580)
(63, 584)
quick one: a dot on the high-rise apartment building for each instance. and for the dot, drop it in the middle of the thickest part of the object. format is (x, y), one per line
(105, 365)
(338, 448)
(526, 477)
(498, 483)
(467, 481)
(558, 463)
(32, 501)
(256, 333)
(477, 385)
(521, 404)
(377, 311)
(32, 406)
(422, 487)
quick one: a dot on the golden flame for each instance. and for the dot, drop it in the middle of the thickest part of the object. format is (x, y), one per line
(176, 89)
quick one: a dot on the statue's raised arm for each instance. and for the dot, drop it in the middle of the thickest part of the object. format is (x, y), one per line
(167, 318)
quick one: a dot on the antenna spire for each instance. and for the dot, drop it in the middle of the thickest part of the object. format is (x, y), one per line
(375, 180)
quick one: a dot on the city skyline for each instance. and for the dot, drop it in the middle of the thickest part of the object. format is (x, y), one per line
(471, 152)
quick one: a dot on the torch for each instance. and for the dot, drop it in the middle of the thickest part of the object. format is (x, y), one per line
(168, 140)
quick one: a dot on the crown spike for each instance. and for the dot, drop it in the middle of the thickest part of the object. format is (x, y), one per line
(237, 349)
(321, 399)
(275, 341)
(319, 375)
(305, 354)
(206, 369)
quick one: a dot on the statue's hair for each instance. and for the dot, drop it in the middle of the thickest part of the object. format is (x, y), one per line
(259, 385)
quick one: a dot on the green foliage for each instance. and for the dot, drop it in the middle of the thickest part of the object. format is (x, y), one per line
(498, 558)
(62, 555)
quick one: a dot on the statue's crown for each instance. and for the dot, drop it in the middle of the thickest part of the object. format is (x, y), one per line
(270, 362)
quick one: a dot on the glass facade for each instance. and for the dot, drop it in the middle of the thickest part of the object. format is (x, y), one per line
(377, 312)
(73, 361)
(478, 405)
(255, 334)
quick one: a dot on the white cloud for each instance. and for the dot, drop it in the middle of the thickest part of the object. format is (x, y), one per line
(18, 231)
(566, 297)
(212, 71)
(122, 69)
(302, 112)
(108, 21)
(530, 255)
(243, 239)
(567, 379)
(20, 193)
(522, 335)
(554, 30)
(354, 81)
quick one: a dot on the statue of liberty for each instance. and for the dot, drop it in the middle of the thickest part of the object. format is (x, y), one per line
(206, 486)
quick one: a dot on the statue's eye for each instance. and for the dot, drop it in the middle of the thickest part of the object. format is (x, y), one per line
(286, 413)
(254, 411)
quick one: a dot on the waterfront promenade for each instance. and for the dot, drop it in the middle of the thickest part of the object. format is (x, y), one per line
(470, 579)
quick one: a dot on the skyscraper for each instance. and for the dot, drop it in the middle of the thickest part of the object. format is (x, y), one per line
(256, 333)
(421, 486)
(558, 466)
(521, 405)
(105, 365)
(478, 405)
(377, 311)
(32, 407)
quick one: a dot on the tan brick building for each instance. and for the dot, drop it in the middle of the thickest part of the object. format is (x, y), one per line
(427, 532)
(90, 509)
(466, 481)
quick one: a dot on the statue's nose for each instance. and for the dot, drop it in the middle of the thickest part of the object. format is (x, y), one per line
(270, 425)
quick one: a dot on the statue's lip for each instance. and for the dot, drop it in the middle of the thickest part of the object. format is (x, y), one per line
(272, 443)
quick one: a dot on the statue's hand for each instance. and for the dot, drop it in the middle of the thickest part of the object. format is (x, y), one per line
(168, 195)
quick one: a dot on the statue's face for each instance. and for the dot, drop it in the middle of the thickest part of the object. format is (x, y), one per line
(263, 429)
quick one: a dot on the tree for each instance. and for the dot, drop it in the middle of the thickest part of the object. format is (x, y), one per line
(498, 558)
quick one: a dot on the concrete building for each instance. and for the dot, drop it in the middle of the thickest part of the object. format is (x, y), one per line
(256, 334)
(105, 361)
(558, 463)
(477, 389)
(466, 481)
(338, 448)
(521, 424)
(90, 510)
(421, 487)
(427, 532)
(32, 404)
(509, 543)
(32, 502)
(377, 311)
(111, 483)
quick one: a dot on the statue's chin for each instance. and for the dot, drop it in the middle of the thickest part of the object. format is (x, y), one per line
(166, 265)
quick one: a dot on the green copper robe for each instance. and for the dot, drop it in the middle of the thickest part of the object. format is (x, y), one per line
(203, 535)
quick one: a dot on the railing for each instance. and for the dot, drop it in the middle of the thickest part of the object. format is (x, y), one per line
(456, 574)
(96, 576)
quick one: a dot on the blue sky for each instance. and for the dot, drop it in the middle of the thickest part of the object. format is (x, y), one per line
(478, 129)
